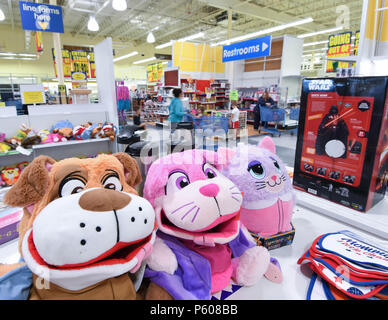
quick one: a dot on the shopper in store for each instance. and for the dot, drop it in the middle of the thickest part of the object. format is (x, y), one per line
(235, 117)
(176, 109)
(264, 101)
(137, 119)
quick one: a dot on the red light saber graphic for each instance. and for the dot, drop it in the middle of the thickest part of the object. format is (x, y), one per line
(339, 117)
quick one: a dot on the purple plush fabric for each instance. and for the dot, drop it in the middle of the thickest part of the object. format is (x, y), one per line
(192, 279)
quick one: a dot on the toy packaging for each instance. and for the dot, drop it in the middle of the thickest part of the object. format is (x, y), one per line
(341, 140)
(346, 266)
(201, 244)
(84, 232)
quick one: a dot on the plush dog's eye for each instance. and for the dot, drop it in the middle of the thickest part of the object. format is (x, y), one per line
(71, 186)
(177, 181)
(113, 183)
(209, 171)
(256, 170)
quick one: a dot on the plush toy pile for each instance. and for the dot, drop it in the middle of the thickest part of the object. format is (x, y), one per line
(84, 232)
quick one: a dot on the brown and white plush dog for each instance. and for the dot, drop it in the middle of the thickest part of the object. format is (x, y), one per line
(84, 228)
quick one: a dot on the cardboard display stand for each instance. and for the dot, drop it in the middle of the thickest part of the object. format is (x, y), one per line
(343, 140)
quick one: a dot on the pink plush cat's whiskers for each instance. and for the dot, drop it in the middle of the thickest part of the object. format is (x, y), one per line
(188, 212)
(238, 200)
(185, 205)
(195, 215)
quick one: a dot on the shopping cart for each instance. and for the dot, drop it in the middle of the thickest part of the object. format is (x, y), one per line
(272, 115)
(294, 115)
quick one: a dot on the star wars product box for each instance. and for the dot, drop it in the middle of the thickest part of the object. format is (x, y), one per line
(342, 148)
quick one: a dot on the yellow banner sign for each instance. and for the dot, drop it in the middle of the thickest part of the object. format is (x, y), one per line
(339, 46)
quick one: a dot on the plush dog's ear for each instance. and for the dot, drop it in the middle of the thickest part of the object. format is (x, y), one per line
(32, 183)
(131, 169)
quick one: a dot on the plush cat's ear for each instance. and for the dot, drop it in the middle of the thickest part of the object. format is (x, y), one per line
(225, 155)
(268, 143)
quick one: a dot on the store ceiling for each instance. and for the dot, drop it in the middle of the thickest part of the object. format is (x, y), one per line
(174, 19)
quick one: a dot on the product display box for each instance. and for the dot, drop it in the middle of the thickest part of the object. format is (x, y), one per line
(342, 148)
(275, 241)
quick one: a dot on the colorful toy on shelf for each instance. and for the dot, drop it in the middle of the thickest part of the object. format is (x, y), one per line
(84, 233)
(78, 130)
(32, 138)
(9, 175)
(262, 177)
(64, 128)
(4, 147)
(200, 244)
(22, 165)
(91, 132)
(108, 130)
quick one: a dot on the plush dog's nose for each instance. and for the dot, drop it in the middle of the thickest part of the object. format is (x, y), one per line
(103, 200)
(210, 190)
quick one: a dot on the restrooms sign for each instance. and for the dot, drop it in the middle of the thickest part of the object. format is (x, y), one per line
(255, 48)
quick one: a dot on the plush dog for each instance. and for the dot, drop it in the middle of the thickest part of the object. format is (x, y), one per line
(84, 228)
(64, 128)
(201, 244)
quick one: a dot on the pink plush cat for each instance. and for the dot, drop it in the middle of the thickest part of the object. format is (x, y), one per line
(200, 244)
(262, 177)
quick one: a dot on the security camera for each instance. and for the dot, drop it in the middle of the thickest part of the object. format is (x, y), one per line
(142, 54)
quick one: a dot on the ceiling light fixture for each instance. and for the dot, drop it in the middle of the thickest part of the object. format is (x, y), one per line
(7, 54)
(144, 60)
(164, 45)
(2, 16)
(265, 31)
(93, 24)
(188, 38)
(301, 36)
(315, 43)
(119, 5)
(150, 37)
(133, 53)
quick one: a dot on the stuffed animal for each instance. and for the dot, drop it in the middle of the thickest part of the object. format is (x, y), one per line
(262, 177)
(9, 175)
(16, 141)
(32, 138)
(84, 232)
(64, 128)
(78, 130)
(4, 147)
(200, 244)
(108, 130)
(91, 132)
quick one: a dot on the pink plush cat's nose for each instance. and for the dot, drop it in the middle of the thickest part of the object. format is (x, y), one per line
(274, 178)
(210, 190)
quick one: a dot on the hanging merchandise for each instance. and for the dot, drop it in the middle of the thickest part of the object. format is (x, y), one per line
(341, 140)
(38, 42)
(123, 100)
(269, 198)
(201, 244)
(61, 260)
(346, 266)
(66, 63)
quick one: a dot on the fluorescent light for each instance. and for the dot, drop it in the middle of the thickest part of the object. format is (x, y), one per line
(8, 58)
(93, 24)
(144, 60)
(151, 38)
(7, 54)
(133, 53)
(119, 5)
(265, 31)
(320, 32)
(315, 43)
(26, 55)
(164, 45)
(188, 38)
(2, 16)
(192, 37)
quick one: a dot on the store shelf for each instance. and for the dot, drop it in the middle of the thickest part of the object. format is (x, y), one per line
(67, 143)
(14, 153)
(344, 59)
(375, 221)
